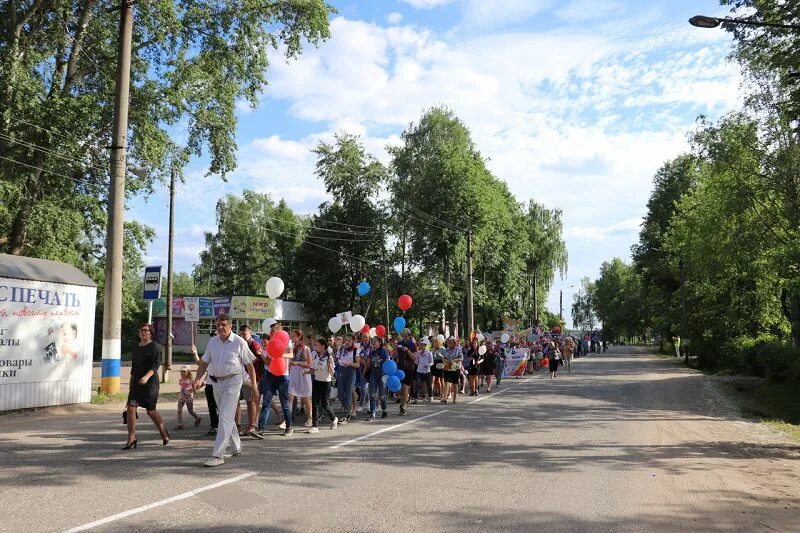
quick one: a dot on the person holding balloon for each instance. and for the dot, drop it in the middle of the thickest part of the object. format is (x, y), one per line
(377, 387)
(453, 357)
(300, 369)
(276, 380)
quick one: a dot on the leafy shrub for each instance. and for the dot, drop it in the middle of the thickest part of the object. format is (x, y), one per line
(780, 361)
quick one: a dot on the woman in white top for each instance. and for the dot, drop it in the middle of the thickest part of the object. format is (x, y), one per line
(424, 360)
(300, 369)
(323, 363)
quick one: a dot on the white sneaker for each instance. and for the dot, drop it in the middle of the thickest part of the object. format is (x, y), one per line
(312, 430)
(309, 423)
(282, 425)
(358, 408)
(215, 461)
(335, 423)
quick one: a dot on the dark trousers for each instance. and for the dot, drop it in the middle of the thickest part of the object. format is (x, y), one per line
(321, 398)
(212, 405)
(427, 379)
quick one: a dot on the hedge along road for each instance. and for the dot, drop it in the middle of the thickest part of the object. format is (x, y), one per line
(626, 442)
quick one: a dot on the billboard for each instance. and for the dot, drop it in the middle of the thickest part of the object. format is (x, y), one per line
(46, 340)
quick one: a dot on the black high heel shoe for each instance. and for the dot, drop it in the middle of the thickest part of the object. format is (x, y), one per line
(131, 444)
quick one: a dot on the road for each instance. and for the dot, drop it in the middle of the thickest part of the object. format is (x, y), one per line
(626, 442)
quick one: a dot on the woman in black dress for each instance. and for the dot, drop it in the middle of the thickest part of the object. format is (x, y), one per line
(489, 366)
(145, 360)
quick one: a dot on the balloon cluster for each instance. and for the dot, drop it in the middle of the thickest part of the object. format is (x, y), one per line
(276, 347)
(392, 377)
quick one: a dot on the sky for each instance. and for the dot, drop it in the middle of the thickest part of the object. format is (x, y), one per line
(575, 103)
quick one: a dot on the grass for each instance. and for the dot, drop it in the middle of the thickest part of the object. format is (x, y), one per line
(100, 398)
(775, 404)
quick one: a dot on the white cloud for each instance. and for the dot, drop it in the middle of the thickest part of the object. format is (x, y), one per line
(624, 228)
(394, 17)
(426, 4)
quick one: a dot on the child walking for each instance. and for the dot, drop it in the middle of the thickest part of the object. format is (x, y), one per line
(187, 397)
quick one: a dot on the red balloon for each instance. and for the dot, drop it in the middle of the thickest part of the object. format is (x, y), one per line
(380, 331)
(405, 302)
(275, 348)
(365, 329)
(282, 336)
(278, 365)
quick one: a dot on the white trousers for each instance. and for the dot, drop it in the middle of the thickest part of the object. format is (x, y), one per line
(227, 395)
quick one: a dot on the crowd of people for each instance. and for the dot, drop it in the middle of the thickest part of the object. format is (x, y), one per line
(345, 369)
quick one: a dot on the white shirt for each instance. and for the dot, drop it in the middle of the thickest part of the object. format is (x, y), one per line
(424, 362)
(322, 370)
(229, 357)
(348, 357)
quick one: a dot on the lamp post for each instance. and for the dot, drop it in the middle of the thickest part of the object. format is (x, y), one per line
(702, 21)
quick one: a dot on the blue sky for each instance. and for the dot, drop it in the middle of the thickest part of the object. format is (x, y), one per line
(576, 103)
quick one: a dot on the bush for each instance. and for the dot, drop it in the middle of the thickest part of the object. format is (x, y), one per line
(743, 353)
(780, 361)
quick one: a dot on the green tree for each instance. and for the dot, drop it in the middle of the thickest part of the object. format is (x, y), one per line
(583, 313)
(255, 240)
(545, 252)
(343, 246)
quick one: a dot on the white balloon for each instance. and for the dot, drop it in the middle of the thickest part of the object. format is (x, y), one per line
(372, 332)
(482, 350)
(504, 338)
(357, 322)
(440, 338)
(274, 287)
(334, 324)
(481, 338)
(268, 322)
(384, 379)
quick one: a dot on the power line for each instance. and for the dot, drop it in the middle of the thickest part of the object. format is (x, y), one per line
(310, 226)
(53, 153)
(83, 180)
(425, 218)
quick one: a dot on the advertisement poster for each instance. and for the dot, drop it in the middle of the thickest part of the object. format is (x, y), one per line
(221, 305)
(178, 307)
(191, 308)
(206, 307)
(516, 361)
(46, 332)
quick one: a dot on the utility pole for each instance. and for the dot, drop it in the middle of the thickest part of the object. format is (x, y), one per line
(561, 305)
(385, 279)
(470, 308)
(168, 351)
(683, 312)
(112, 297)
(535, 307)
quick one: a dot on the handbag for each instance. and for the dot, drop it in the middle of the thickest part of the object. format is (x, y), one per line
(125, 416)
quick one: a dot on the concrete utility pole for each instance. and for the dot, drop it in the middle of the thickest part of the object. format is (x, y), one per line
(112, 290)
(168, 351)
(535, 307)
(683, 311)
(561, 305)
(470, 301)
(385, 279)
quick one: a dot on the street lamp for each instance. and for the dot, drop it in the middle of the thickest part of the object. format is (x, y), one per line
(702, 21)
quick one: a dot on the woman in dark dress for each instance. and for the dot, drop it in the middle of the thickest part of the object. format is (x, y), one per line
(145, 360)
(489, 366)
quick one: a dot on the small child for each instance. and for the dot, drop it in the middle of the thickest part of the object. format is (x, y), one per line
(187, 397)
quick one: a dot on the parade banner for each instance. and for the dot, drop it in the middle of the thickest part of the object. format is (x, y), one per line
(516, 361)
(192, 308)
(259, 307)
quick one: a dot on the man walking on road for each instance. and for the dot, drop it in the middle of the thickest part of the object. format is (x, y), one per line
(227, 356)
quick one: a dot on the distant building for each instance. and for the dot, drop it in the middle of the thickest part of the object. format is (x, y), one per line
(251, 310)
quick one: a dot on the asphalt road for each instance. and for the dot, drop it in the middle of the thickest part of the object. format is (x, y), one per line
(626, 442)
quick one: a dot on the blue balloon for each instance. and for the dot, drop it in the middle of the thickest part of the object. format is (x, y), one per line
(399, 324)
(389, 367)
(400, 375)
(363, 288)
(393, 383)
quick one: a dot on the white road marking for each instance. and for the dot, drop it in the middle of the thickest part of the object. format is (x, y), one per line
(476, 400)
(384, 430)
(185, 495)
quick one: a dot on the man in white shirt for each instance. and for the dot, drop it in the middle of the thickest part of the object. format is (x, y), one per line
(227, 357)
